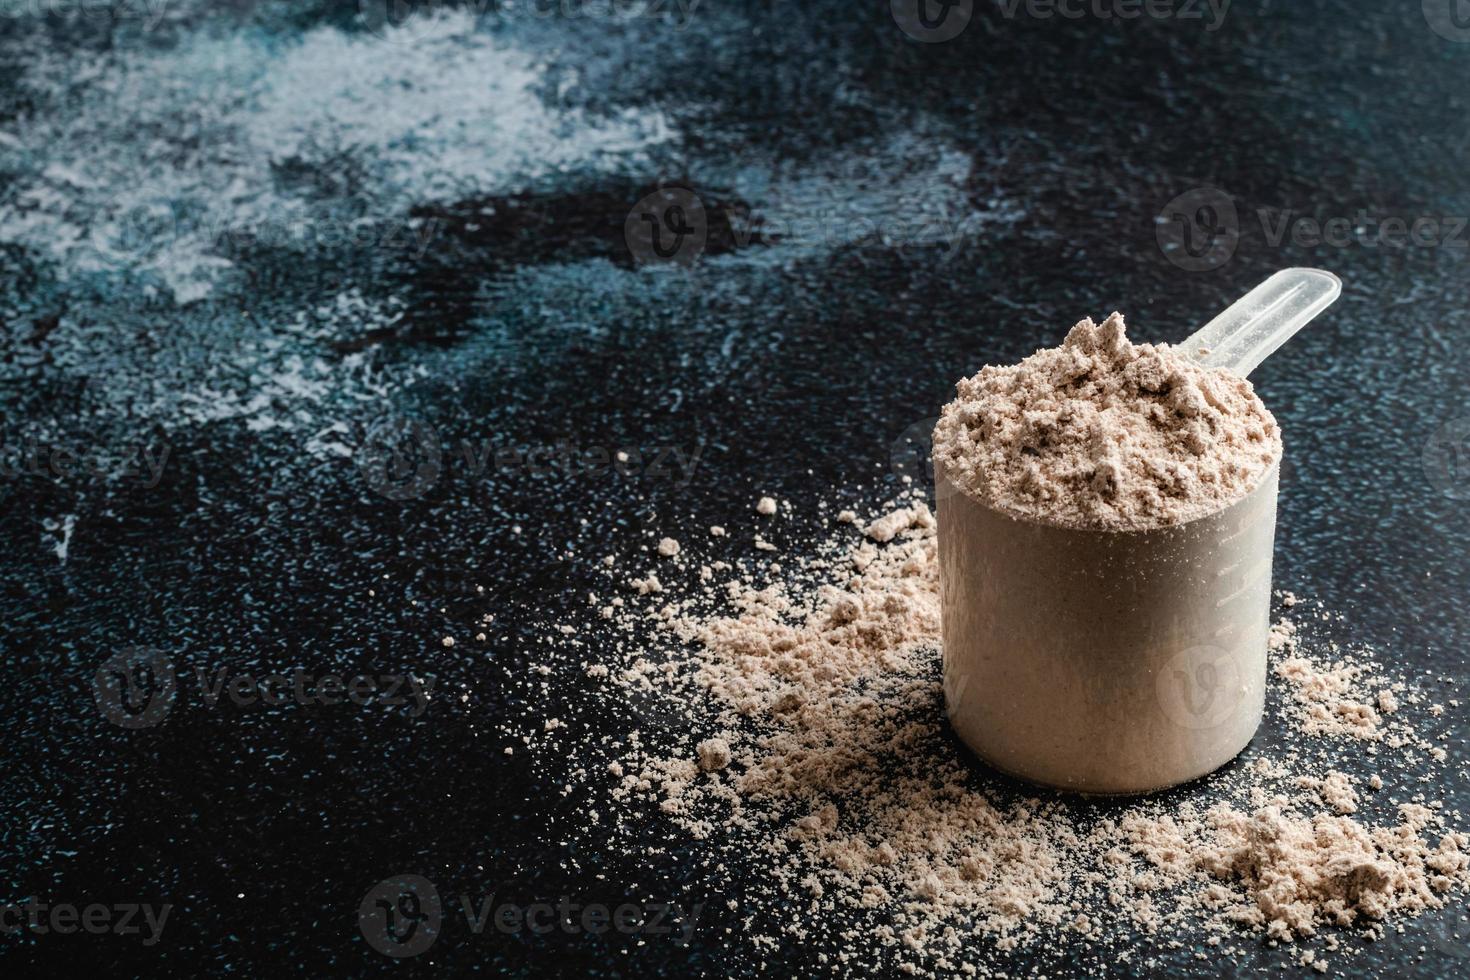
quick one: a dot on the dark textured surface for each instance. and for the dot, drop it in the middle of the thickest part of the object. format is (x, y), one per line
(903, 212)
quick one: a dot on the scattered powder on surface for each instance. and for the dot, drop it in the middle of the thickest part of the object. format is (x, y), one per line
(1326, 698)
(1335, 790)
(803, 729)
(1103, 433)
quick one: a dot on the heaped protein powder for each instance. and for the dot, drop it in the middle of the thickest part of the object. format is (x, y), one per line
(1106, 434)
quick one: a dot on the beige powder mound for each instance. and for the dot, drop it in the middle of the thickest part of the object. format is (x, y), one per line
(1106, 434)
(1302, 873)
(832, 765)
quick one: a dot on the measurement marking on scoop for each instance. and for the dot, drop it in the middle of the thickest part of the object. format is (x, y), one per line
(1250, 523)
(1262, 567)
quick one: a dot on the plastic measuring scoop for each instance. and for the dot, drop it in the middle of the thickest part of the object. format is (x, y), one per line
(1263, 319)
(1117, 662)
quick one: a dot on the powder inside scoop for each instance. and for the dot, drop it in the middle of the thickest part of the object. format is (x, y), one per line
(1102, 433)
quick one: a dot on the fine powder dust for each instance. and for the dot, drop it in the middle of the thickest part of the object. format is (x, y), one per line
(1103, 433)
(806, 733)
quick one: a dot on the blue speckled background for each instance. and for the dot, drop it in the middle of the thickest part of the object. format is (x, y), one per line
(257, 236)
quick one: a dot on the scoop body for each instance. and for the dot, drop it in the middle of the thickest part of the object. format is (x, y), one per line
(1107, 662)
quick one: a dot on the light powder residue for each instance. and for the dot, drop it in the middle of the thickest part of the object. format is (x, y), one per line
(1103, 433)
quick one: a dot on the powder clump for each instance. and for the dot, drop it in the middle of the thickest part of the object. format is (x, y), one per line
(1105, 434)
(714, 754)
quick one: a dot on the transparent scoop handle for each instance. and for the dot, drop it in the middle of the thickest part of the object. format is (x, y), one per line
(1263, 319)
